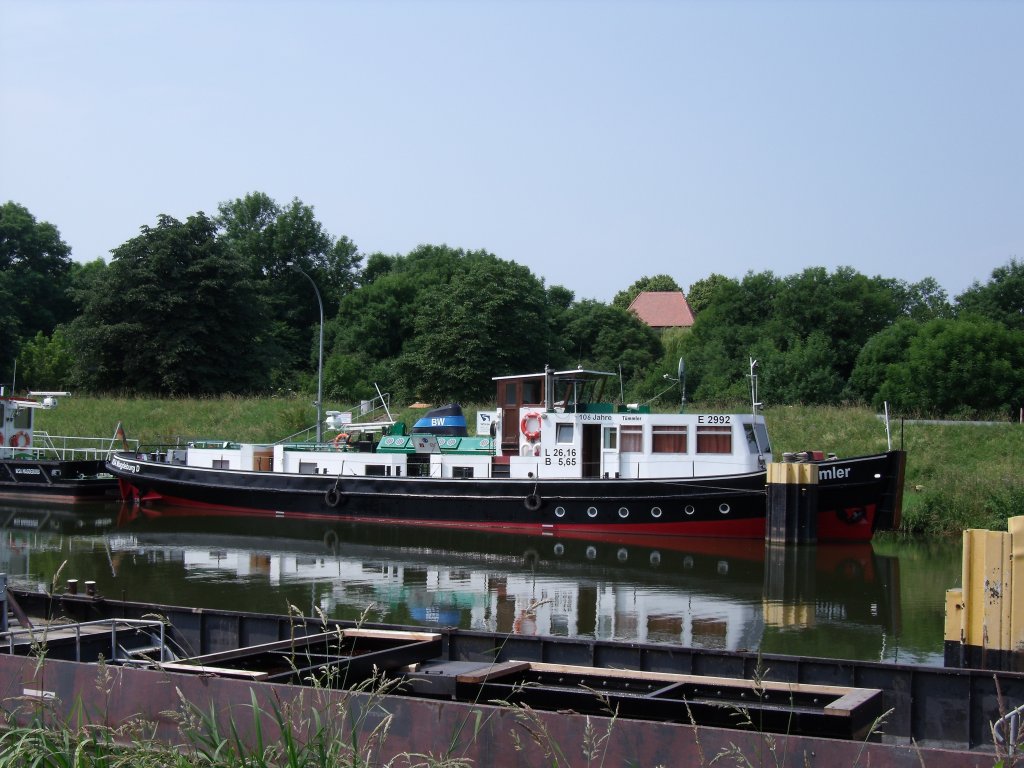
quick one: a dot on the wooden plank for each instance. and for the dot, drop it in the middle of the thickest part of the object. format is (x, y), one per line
(391, 634)
(847, 704)
(494, 672)
(203, 669)
(725, 682)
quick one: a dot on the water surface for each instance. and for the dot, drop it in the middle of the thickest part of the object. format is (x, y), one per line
(881, 601)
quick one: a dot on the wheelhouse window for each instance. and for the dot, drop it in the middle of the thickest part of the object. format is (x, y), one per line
(631, 438)
(531, 393)
(714, 439)
(757, 438)
(564, 434)
(669, 439)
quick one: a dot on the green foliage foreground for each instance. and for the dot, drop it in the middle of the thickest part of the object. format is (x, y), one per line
(959, 475)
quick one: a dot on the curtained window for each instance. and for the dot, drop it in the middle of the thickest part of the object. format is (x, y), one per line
(669, 439)
(631, 438)
(714, 439)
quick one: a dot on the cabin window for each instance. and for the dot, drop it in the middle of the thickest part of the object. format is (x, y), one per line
(632, 438)
(307, 468)
(531, 393)
(669, 439)
(378, 470)
(462, 473)
(611, 438)
(220, 464)
(564, 434)
(714, 439)
(510, 394)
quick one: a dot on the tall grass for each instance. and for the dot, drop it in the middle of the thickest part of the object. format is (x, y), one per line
(958, 475)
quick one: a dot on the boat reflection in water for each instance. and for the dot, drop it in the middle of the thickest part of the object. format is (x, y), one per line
(721, 594)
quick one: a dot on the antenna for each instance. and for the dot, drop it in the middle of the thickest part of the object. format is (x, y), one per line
(753, 386)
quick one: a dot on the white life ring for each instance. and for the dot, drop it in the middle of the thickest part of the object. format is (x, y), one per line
(20, 439)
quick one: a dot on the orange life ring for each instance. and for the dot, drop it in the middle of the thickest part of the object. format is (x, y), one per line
(524, 426)
(340, 439)
(20, 439)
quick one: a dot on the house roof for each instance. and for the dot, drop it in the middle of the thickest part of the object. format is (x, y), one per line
(663, 309)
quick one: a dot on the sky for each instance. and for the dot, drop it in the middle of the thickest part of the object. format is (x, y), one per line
(593, 142)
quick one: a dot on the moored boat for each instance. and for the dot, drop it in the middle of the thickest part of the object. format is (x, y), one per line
(35, 464)
(553, 457)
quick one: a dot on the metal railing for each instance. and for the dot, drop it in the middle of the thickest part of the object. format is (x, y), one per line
(63, 448)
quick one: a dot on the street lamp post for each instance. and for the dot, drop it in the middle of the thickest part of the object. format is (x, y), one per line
(320, 365)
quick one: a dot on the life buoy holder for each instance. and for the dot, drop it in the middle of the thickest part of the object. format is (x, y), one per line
(20, 439)
(340, 440)
(524, 426)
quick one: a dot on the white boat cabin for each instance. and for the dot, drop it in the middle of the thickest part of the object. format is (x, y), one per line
(549, 425)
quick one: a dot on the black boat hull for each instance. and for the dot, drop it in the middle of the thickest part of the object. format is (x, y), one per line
(858, 495)
(57, 480)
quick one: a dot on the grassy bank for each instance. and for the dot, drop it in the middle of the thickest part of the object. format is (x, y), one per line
(958, 476)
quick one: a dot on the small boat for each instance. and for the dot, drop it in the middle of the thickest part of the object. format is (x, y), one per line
(114, 662)
(553, 457)
(35, 464)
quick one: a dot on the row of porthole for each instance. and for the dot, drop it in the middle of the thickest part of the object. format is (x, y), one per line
(622, 555)
(723, 508)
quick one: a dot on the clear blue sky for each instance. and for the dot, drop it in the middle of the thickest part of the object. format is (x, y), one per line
(594, 142)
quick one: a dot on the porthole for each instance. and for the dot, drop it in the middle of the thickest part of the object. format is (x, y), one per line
(689, 509)
(559, 549)
(559, 511)
(591, 511)
(723, 508)
(591, 553)
(655, 512)
(622, 554)
(623, 513)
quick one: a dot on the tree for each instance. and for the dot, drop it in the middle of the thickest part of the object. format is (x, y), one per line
(1000, 299)
(489, 320)
(887, 347)
(610, 338)
(701, 293)
(46, 362)
(267, 237)
(34, 267)
(965, 366)
(655, 283)
(177, 315)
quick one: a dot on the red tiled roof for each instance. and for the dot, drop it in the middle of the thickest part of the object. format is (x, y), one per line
(663, 309)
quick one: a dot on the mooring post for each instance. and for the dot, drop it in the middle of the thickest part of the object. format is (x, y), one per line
(984, 625)
(791, 516)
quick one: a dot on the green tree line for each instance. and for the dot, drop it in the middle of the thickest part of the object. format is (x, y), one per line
(223, 304)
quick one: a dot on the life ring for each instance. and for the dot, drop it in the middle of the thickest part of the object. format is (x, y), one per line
(332, 497)
(20, 439)
(524, 426)
(532, 502)
(339, 440)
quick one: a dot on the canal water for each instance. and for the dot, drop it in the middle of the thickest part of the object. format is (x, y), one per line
(882, 601)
